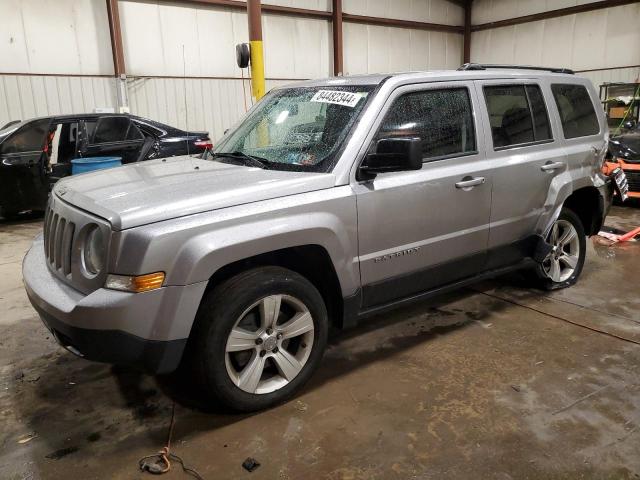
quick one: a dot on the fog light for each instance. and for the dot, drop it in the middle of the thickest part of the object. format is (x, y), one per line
(136, 284)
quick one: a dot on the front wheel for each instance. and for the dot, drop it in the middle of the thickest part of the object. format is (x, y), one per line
(258, 338)
(562, 267)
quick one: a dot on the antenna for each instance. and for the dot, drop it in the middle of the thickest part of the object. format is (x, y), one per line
(186, 111)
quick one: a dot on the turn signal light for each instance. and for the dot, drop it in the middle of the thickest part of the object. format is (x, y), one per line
(136, 284)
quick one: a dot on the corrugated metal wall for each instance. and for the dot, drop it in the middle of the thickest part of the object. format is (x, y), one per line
(369, 49)
(377, 49)
(27, 96)
(485, 11)
(63, 36)
(432, 11)
(607, 38)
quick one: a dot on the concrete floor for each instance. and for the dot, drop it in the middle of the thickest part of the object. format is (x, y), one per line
(487, 383)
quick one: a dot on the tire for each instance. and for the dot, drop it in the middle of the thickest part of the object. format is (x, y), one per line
(222, 364)
(563, 265)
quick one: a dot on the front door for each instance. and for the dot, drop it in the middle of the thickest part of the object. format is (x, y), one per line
(425, 228)
(23, 175)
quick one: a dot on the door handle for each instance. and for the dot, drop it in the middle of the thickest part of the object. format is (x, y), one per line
(595, 149)
(547, 167)
(470, 183)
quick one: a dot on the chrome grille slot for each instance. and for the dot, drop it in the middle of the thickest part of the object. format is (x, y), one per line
(67, 244)
(47, 229)
(52, 238)
(57, 250)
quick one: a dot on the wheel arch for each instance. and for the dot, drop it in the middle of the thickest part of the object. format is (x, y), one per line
(312, 261)
(588, 205)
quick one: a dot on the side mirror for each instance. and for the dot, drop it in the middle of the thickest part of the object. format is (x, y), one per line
(629, 125)
(392, 155)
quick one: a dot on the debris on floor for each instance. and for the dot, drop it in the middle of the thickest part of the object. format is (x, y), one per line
(618, 236)
(250, 464)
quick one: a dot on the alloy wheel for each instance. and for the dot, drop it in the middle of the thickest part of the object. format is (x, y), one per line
(269, 344)
(565, 254)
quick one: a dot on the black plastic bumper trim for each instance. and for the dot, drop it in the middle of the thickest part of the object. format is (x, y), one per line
(116, 347)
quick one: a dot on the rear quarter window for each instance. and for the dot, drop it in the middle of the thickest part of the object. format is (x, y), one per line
(576, 110)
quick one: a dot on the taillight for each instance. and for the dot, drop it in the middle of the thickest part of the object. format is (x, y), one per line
(203, 143)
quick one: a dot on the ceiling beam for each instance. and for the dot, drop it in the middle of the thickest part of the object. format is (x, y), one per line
(394, 22)
(242, 6)
(561, 12)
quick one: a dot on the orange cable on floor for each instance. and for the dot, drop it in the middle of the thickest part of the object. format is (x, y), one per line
(163, 458)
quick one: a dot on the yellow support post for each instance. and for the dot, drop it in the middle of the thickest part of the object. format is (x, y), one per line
(254, 13)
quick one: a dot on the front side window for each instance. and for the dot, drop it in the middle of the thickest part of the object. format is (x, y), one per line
(576, 110)
(297, 128)
(442, 119)
(29, 137)
(517, 115)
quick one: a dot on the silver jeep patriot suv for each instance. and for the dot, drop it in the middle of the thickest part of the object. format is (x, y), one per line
(330, 201)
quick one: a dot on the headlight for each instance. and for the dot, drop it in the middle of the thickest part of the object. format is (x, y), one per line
(93, 252)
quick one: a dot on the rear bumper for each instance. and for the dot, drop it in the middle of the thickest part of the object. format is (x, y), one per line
(145, 330)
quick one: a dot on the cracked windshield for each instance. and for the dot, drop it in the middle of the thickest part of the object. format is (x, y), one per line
(296, 128)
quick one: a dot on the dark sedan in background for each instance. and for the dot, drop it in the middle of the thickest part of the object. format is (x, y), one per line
(36, 153)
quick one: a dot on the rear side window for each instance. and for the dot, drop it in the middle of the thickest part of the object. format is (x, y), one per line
(517, 114)
(111, 129)
(29, 138)
(441, 118)
(576, 110)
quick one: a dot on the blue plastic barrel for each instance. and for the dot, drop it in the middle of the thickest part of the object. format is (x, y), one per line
(83, 165)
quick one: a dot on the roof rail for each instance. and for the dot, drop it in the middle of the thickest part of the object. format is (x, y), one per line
(486, 66)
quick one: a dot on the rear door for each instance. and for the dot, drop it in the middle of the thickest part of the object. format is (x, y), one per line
(526, 153)
(113, 136)
(421, 229)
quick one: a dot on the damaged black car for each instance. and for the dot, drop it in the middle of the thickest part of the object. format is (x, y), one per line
(36, 153)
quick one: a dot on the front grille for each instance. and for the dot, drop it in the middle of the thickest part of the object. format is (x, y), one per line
(65, 228)
(58, 241)
(633, 177)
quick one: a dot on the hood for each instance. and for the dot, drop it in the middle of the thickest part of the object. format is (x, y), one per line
(157, 190)
(626, 146)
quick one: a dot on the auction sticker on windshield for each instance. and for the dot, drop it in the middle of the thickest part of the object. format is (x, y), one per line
(337, 97)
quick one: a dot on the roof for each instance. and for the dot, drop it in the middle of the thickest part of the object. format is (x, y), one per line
(433, 75)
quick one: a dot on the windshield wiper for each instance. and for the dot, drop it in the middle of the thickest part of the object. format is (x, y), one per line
(245, 158)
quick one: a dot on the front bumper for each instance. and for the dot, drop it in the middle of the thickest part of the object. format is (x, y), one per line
(145, 330)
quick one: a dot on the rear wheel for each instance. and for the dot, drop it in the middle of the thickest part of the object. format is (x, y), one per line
(258, 338)
(563, 265)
